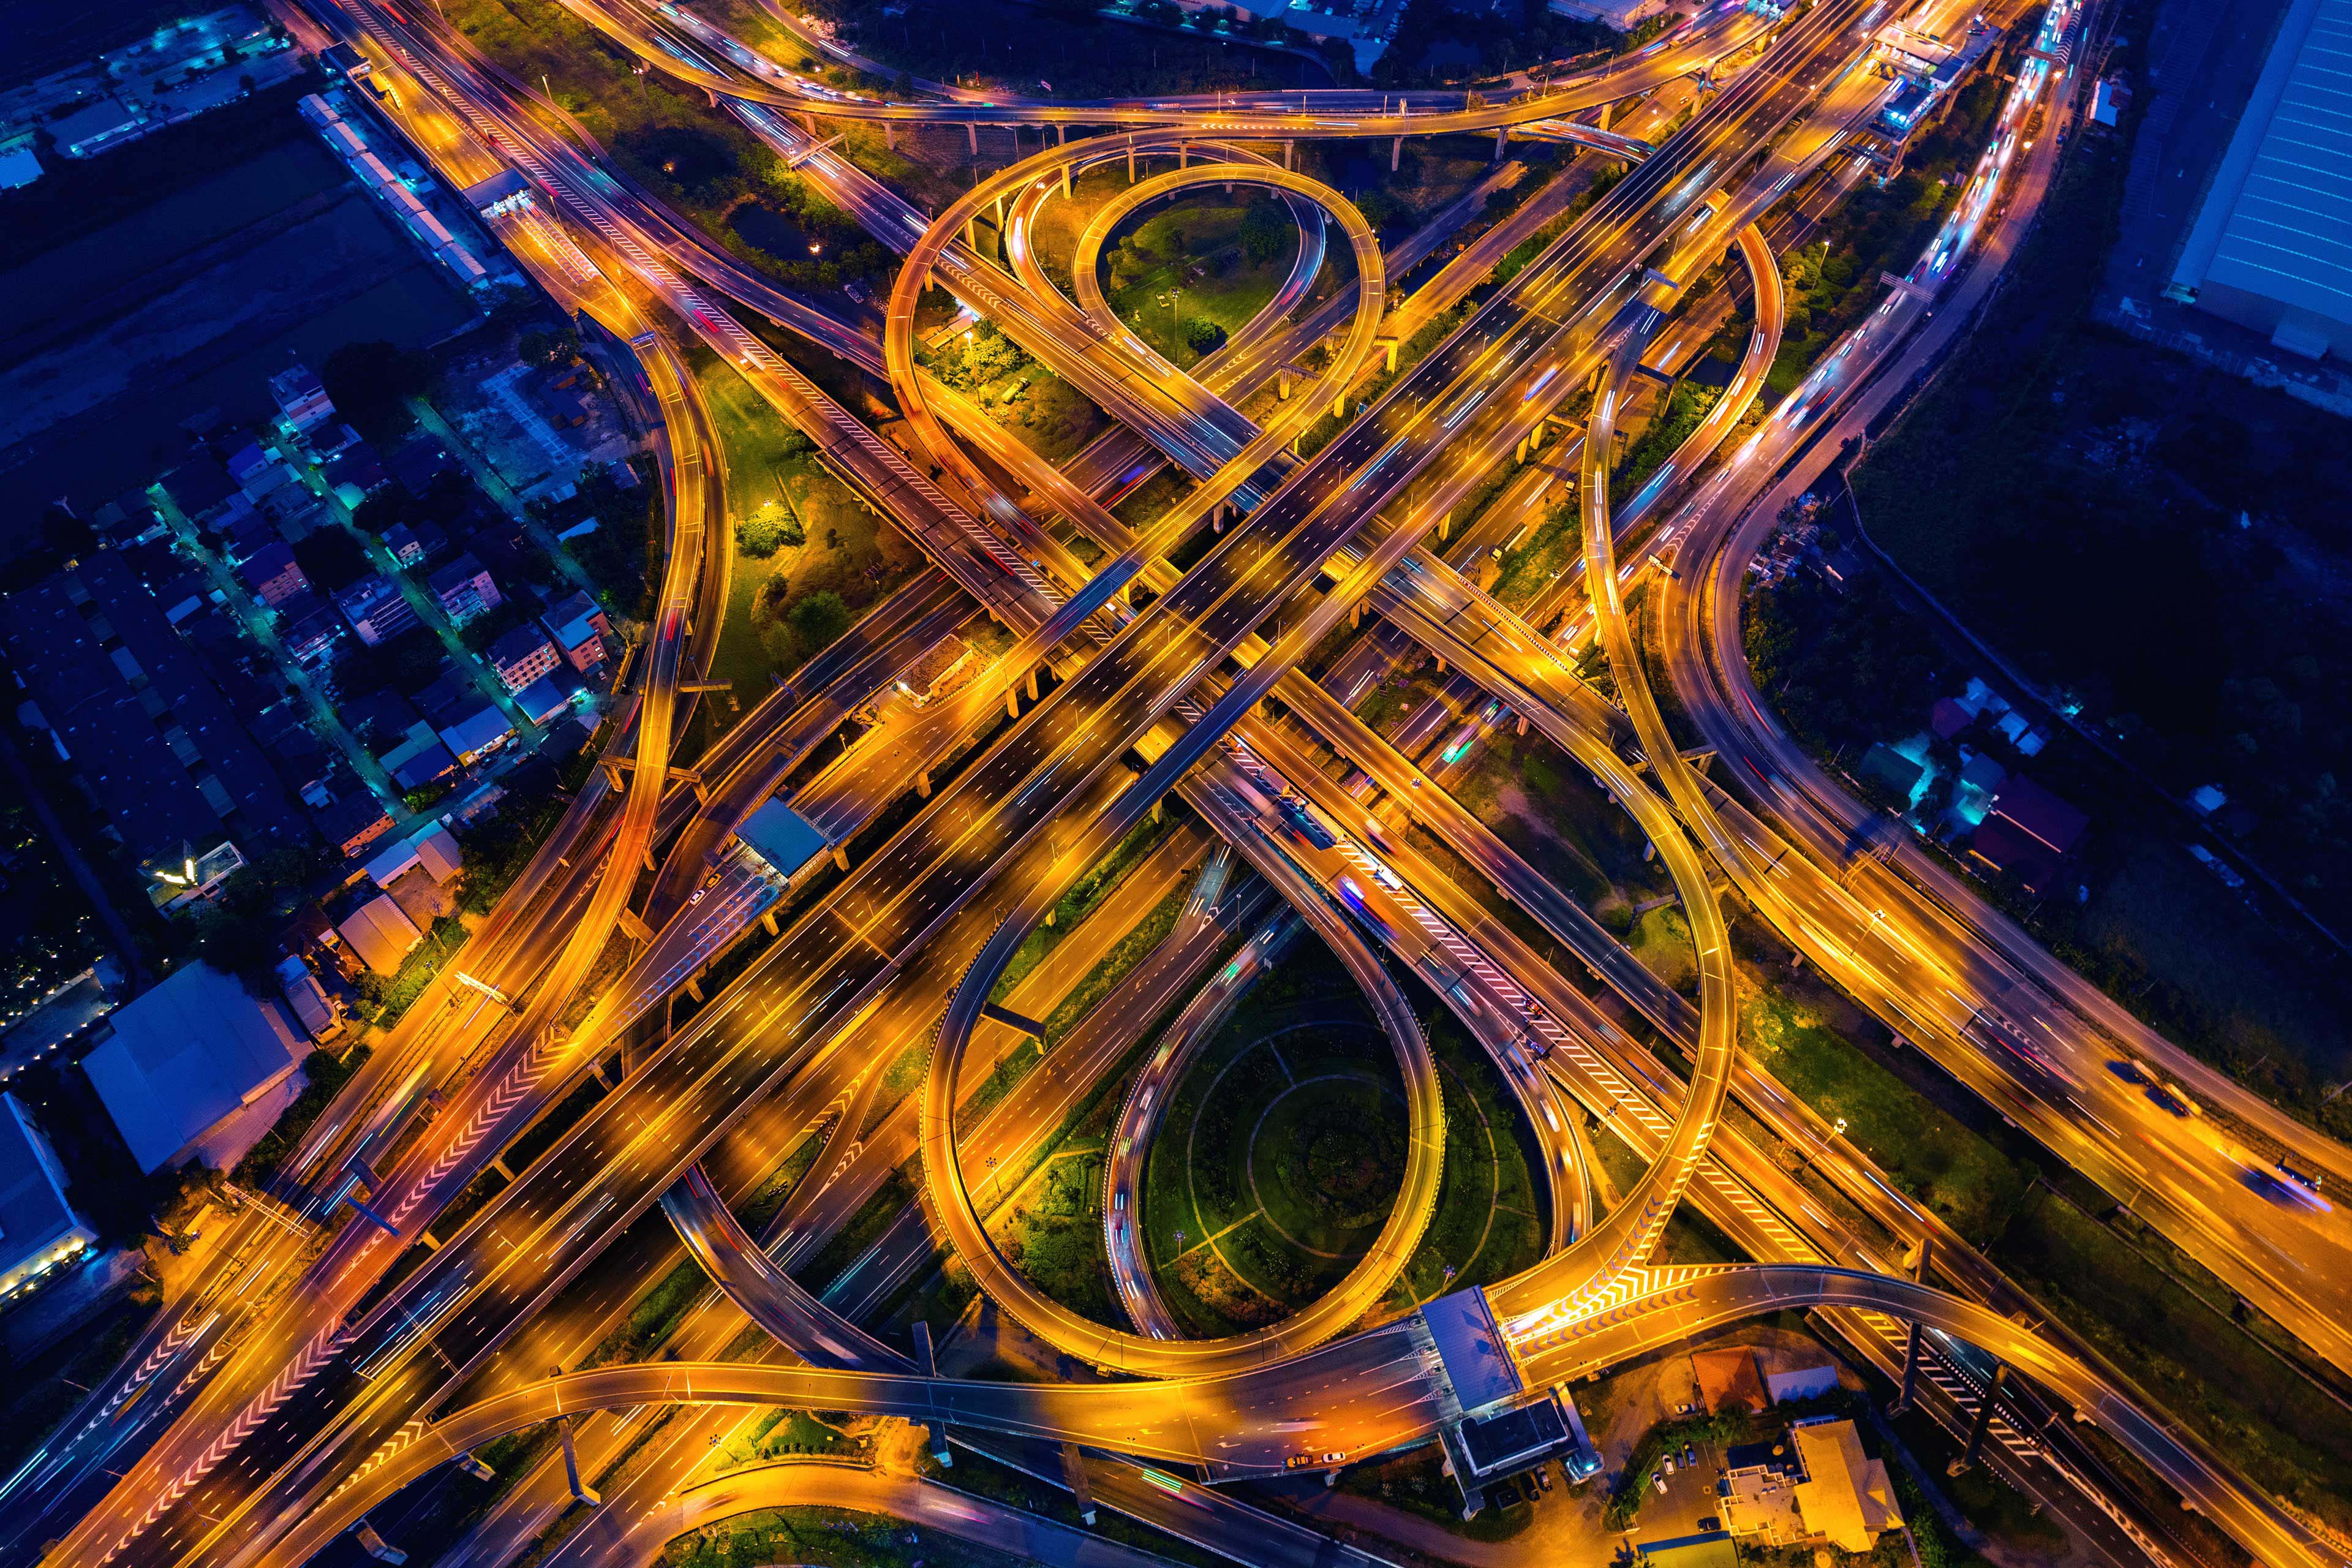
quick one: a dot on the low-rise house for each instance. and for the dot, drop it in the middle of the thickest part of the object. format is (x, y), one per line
(273, 575)
(377, 609)
(2028, 834)
(200, 488)
(523, 654)
(352, 821)
(579, 627)
(1816, 1487)
(302, 402)
(463, 589)
(312, 632)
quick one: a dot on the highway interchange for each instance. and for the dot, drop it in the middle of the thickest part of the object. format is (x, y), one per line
(330, 1359)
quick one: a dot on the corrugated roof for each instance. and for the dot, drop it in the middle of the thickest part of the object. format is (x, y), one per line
(381, 933)
(186, 1054)
(2278, 218)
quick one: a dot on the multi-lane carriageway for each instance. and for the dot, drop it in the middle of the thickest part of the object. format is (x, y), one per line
(1262, 572)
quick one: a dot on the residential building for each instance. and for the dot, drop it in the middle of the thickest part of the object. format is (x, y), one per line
(419, 759)
(477, 735)
(419, 463)
(257, 471)
(200, 488)
(542, 701)
(185, 1058)
(377, 610)
(148, 735)
(463, 589)
(1815, 1487)
(354, 471)
(435, 849)
(2270, 248)
(1729, 1380)
(407, 546)
(352, 820)
(311, 632)
(303, 401)
(40, 1230)
(579, 627)
(273, 575)
(522, 655)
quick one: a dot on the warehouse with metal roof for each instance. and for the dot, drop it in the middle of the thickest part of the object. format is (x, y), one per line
(2271, 246)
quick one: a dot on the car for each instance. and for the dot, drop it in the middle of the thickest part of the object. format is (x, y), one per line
(1298, 1461)
(2129, 1071)
(1668, 1465)
(708, 883)
(1336, 1455)
(1658, 1481)
(1543, 1480)
(2172, 1097)
(1690, 1455)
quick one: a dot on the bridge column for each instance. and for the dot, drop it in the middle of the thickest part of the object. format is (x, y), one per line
(1911, 1344)
(1066, 182)
(1184, 154)
(840, 858)
(890, 134)
(971, 232)
(1130, 160)
(581, 1490)
(1390, 346)
(923, 784)
(1502, 135)
(1968, 1460)
(1288, 149)
(1396, 150)
(1523, 724)
(1012, 703)
(1355, 614)
(1282, 385)
(1445, 525)
(927, 1363)
(1073, 1475)
(972, 134)
(1031, 684)
(768, 919)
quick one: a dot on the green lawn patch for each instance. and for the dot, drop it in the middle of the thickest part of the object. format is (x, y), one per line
(1924, 1150)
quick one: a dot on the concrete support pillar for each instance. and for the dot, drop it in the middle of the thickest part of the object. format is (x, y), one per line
(923, 784)
(971, 233)
(1184, 154)
(1073, 1475)
(890, 134)
(1130, 160)
(1355, 614)
(972, 134)
(633, 925)
(1391, 347)
(377, 1547)
(693, 988)
(1012, 703)
(1967, 1461)
(1396, 150)
(1523, 724)
(1156, 805)
(1441, 664)
(1338, 403)
(472, 1465)
(999, 212)
(927, 1363)
(1502, 135)
(840, 858)
(1031, 685)
(1606, 110)
(1282, 385)
(1445, 525)
(616, 776)
(1910, 1373)
(768, 920)
(1288, 149)
(581, 1490)
(1066, 182)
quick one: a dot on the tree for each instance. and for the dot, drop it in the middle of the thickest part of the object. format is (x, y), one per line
(1202, 334)
(545, 350)
(766, 531)
(1265, 229)
(372, 383)
(820, 620)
